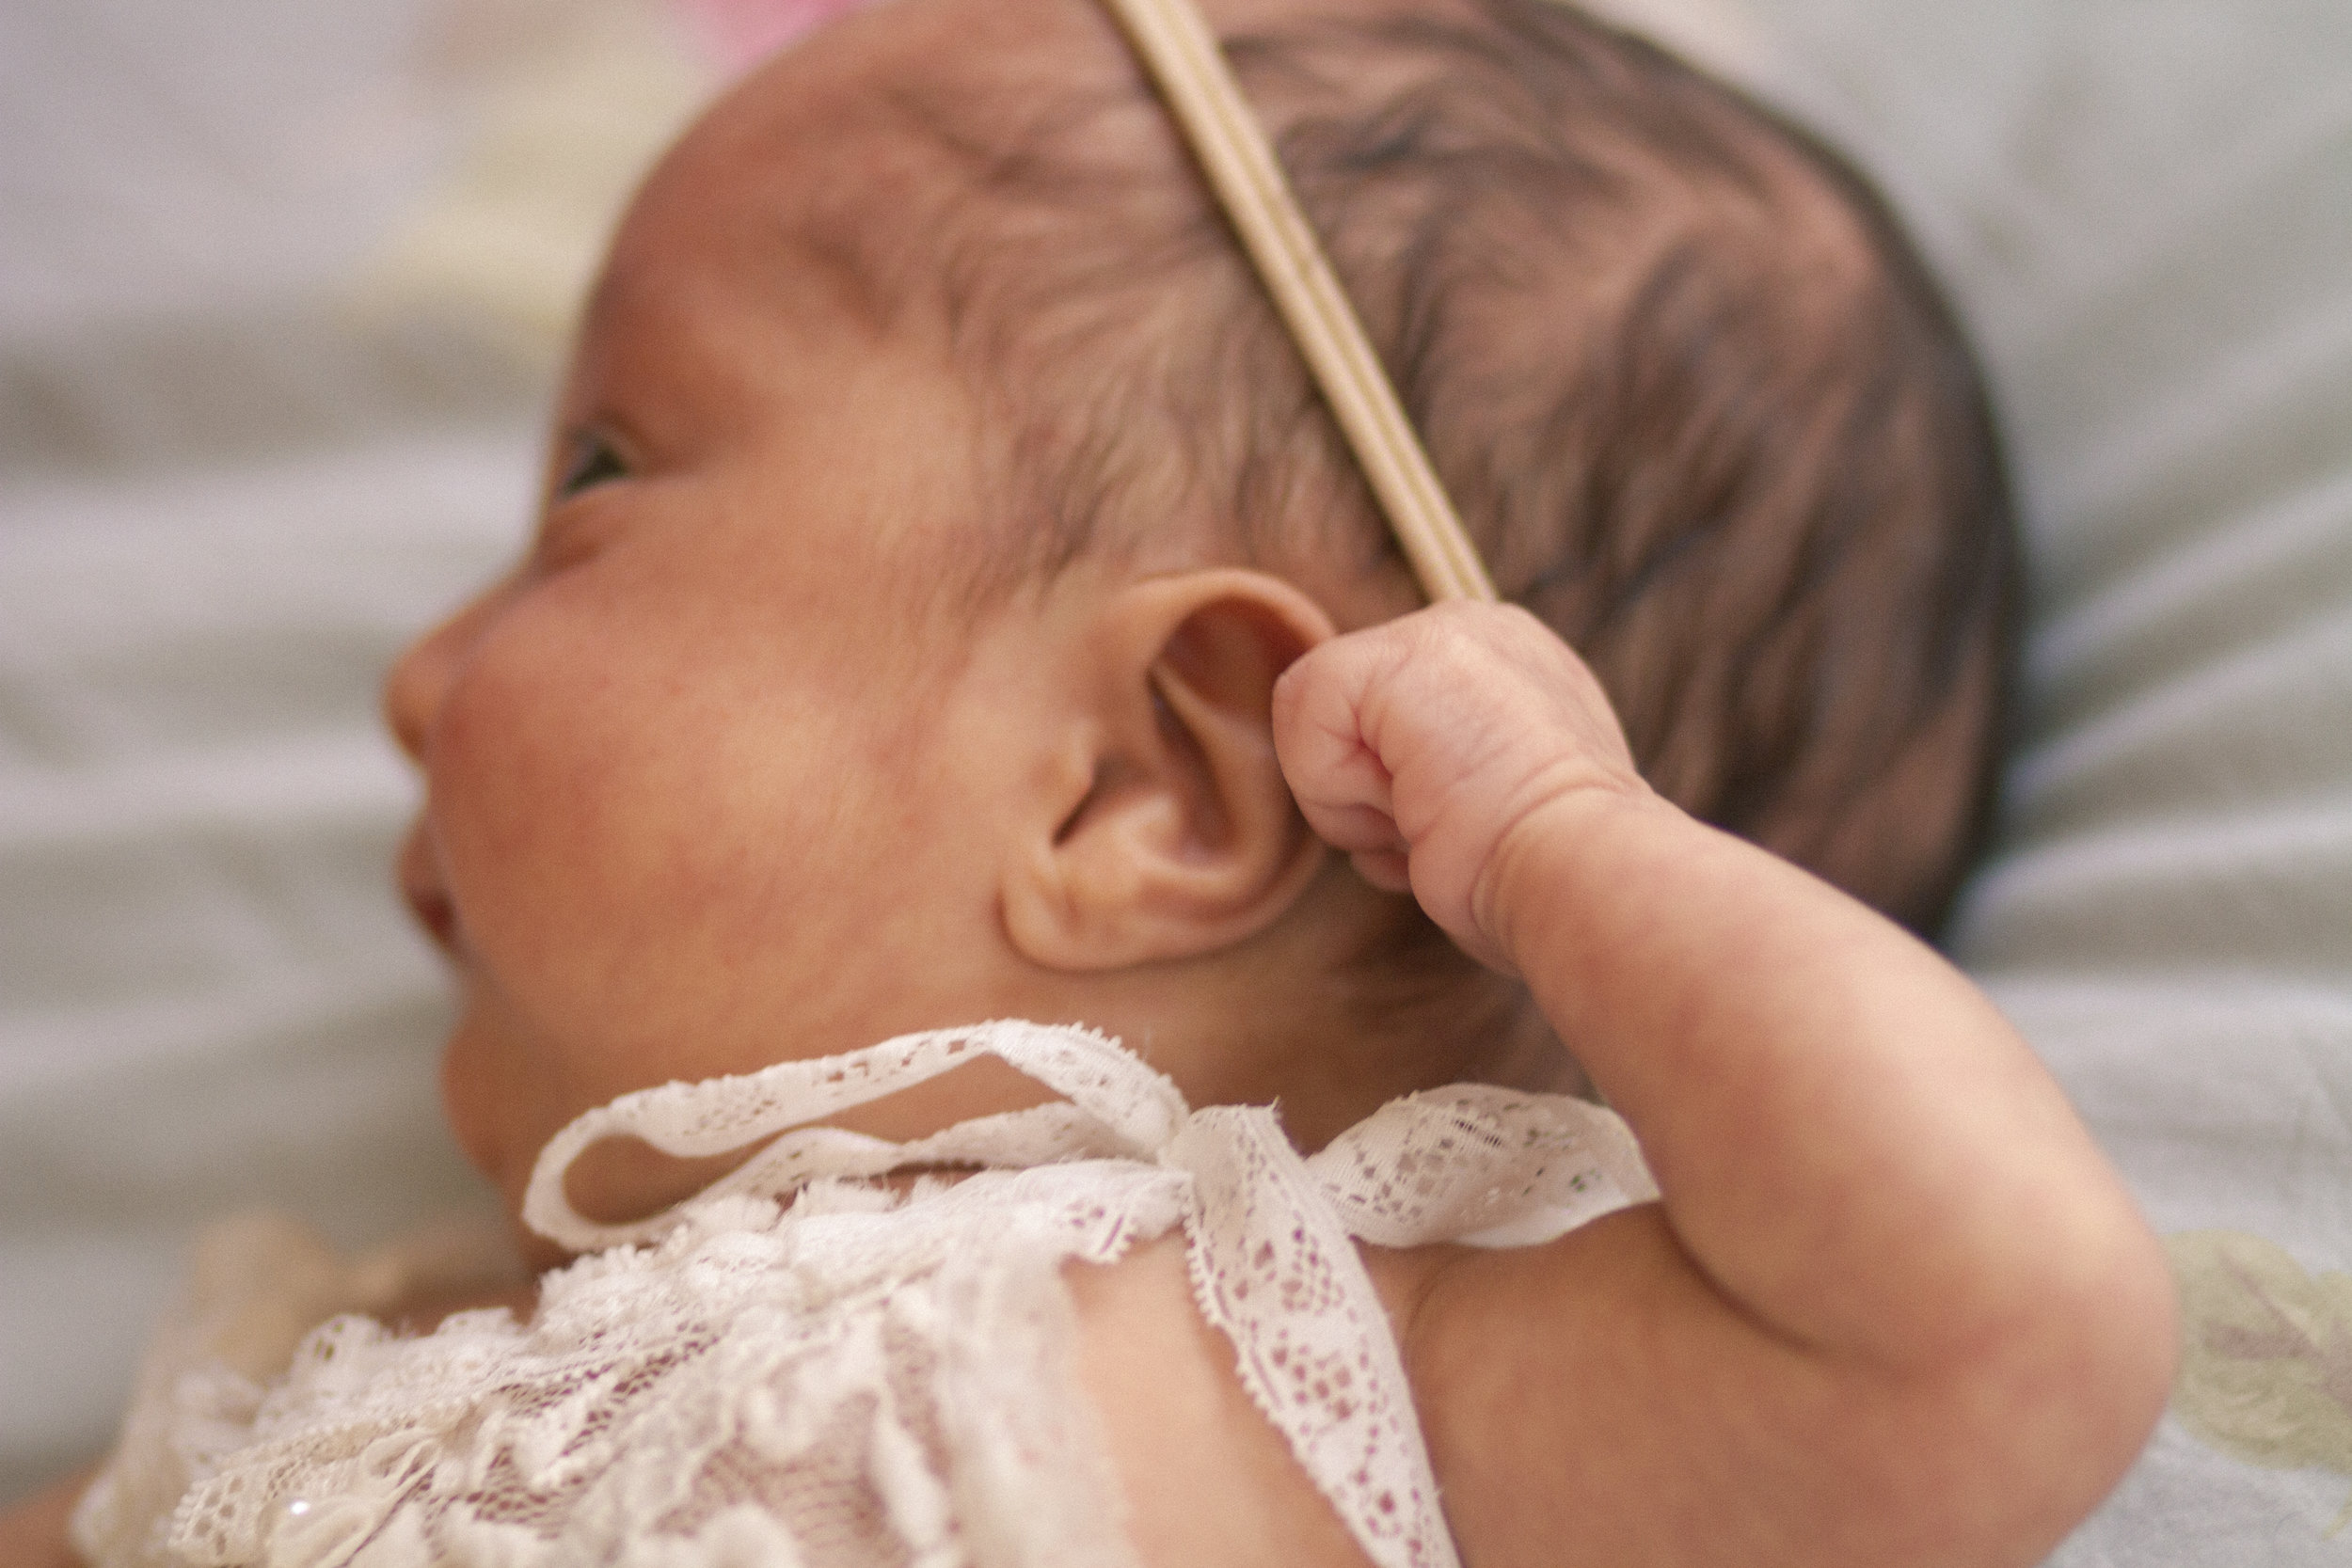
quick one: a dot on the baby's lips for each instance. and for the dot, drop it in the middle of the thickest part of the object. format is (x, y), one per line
(426, 898)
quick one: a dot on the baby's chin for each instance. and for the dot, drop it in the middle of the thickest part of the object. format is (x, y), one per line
(489, 1113)
(463, 1107)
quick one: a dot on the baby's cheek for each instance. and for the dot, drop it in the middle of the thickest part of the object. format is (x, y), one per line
(525, 818)
(633, 861)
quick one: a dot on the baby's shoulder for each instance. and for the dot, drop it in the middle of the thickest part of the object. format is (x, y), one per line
(1179, 1426)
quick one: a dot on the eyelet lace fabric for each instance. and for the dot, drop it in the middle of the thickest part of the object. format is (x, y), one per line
(800, 1367)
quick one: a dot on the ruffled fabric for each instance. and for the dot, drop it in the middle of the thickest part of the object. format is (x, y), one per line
(801, 1367)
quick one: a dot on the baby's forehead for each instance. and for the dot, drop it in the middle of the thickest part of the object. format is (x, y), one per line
(928, 165)
(912, 73)
(854, 147)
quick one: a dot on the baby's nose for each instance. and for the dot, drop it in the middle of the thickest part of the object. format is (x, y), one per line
(420, 677)
(412, 690)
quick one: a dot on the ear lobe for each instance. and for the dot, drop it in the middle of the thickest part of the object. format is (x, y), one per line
(1184, 838)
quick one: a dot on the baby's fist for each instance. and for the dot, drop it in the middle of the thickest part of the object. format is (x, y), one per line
(1427, 746)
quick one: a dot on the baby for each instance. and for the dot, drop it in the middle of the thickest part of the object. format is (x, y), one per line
(952, 602)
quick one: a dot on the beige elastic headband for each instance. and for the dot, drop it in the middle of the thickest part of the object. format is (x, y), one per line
(1183, 59)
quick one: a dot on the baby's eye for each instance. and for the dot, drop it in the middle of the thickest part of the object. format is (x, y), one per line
(589, 460)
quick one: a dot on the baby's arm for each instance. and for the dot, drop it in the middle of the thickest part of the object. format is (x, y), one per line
(1894, 1308)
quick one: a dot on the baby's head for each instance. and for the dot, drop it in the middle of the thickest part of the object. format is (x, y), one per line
(936, 499)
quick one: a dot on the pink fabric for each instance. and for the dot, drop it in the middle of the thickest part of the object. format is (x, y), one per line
(743, 32)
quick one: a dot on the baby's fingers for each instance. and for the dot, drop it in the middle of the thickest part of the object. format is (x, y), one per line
(1356, 829)
(1340, 781)
(1424, 743)
(1342, 787)
(1368, 835)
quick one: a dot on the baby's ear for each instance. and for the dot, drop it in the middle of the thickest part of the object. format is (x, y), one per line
(1172, 833)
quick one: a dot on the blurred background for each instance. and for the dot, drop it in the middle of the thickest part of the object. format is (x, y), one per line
(283, 286)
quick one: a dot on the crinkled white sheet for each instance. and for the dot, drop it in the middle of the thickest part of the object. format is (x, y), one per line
(2146, 206)
(267, 404)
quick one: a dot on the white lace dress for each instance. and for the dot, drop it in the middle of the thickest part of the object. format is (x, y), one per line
(801, 1368)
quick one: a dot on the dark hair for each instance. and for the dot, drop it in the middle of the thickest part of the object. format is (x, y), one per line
(1698, 399)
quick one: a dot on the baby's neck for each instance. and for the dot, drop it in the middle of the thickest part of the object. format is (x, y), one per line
(1326, 1072)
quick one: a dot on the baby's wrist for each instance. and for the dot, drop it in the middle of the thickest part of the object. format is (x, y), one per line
(1545, 854)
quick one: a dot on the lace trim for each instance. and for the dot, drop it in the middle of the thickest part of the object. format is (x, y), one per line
(1474, 1164)
(1270, 1250)
(1117, 1106)
(1276, 1272)
(858, 1378)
